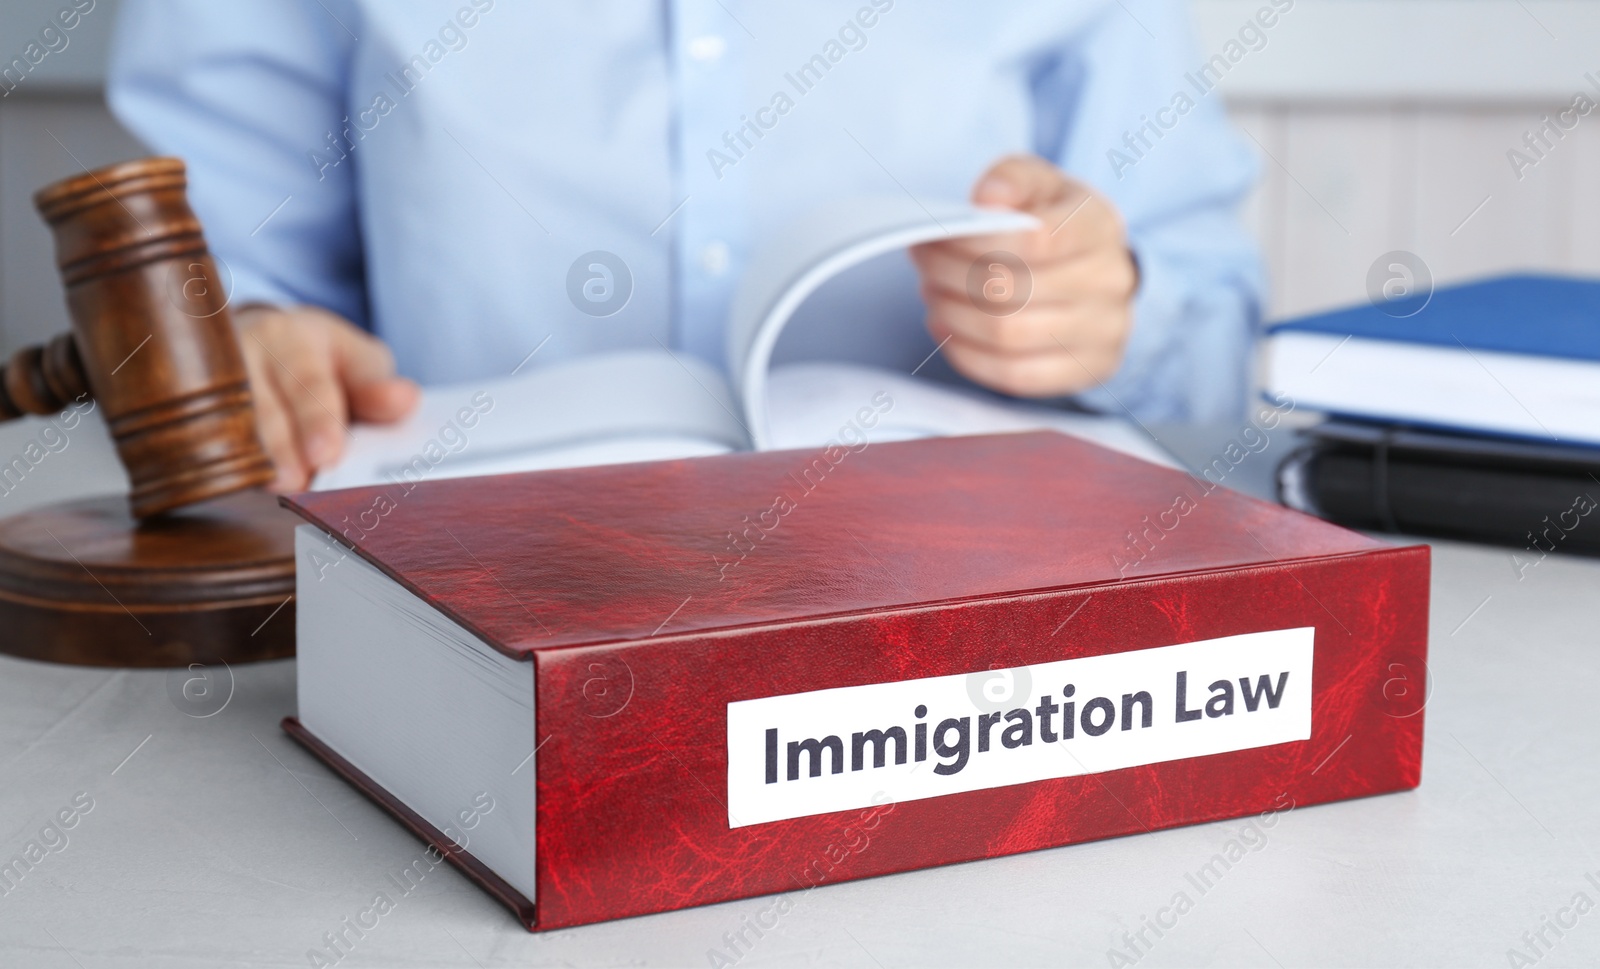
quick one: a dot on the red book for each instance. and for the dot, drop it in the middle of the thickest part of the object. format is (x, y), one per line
(604, 692)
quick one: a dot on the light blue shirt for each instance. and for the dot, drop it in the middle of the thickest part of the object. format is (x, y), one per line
(431, 170)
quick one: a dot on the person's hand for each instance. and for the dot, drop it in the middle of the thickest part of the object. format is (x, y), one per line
(1077, 272)
(313, 373)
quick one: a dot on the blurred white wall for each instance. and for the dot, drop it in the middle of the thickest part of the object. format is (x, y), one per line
(1384, 124)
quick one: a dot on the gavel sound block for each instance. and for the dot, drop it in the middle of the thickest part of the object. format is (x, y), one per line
(196, 565)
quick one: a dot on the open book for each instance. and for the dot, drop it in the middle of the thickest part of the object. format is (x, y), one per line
(652, 404)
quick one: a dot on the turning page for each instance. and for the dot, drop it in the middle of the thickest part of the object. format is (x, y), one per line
(829, 240)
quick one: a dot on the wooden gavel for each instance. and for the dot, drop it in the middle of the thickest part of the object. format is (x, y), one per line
(197, 564)
(152, 340)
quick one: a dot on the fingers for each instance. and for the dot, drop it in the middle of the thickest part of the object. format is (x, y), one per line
(272, 421)
(366, 369)
(1025, 182)
(1033, 329)
(1106, 273)
(1053, 316)
(385, 401)
(1082, 222)
(304, 372)
(1031, 184)
(1043, 374)
(312, 373)
(1077, 302)
(1044, 327)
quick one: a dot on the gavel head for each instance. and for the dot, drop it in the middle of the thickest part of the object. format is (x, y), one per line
(152, 341)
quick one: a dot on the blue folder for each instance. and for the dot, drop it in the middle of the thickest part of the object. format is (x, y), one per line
(1541, 315)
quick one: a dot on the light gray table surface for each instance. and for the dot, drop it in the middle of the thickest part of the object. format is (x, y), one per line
(217, 842)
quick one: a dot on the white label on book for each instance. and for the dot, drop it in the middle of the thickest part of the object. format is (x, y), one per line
(858, 746)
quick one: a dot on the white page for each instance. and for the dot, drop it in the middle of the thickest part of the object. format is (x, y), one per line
(832, 238)
(617, 407)
(812, 402)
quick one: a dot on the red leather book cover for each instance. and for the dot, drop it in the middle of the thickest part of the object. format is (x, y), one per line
(759, 672)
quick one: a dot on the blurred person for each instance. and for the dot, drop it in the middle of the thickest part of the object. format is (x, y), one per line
(398, 188)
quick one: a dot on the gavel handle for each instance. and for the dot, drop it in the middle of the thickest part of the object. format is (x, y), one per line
(42, 379)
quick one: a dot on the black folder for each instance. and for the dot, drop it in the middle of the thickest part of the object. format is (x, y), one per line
(1530, 494)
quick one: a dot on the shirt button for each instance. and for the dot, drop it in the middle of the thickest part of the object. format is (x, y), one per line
(714, 258)
(707, 48)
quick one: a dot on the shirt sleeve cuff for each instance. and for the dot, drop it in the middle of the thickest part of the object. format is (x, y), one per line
(1187, 356)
